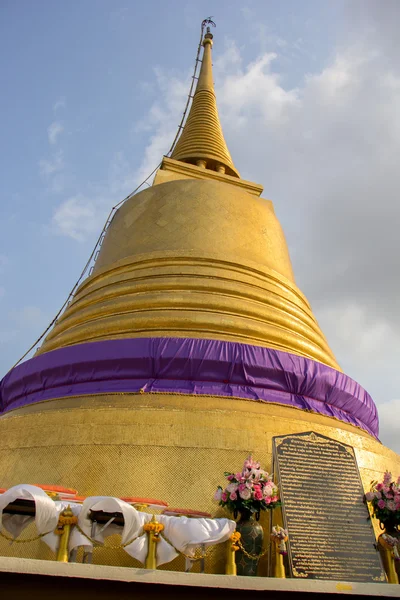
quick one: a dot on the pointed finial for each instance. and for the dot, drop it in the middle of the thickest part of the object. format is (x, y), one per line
(202, 142)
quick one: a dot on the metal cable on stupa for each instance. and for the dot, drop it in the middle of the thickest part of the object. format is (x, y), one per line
(99, 241)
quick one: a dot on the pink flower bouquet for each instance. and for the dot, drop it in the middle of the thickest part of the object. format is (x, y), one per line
(385, 500)
(250, 491)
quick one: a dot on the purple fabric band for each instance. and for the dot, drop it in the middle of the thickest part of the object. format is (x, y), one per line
(190, 366)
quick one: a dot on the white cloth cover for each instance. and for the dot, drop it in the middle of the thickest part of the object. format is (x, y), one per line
(188, 533)
(185, 534)
(107, 504)
(46, 517)
(15, 524)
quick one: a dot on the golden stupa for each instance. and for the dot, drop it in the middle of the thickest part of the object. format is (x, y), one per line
(182, 352)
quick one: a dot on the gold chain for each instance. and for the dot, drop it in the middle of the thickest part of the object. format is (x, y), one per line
(97, 544)
(34, 539)
(196, 555)
(252, 556)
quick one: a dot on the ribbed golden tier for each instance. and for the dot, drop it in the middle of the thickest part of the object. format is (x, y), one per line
(202, 137)
(194, 259)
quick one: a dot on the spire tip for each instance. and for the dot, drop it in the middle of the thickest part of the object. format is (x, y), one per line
(202, 142)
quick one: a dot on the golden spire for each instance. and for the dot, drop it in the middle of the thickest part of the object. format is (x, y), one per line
(202, 142)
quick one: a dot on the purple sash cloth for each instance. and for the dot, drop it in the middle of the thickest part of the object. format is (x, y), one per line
(189, 366)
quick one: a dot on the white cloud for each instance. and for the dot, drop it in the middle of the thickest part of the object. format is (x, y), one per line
(256, 94)
(54, 131)
(389, 416)
(347, 325)
(163, 119)
(77, 217)
(84, 214)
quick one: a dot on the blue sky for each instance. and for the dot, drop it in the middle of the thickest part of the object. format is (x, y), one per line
(93, 91)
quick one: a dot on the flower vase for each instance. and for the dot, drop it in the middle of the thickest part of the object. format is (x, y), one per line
(252, 537)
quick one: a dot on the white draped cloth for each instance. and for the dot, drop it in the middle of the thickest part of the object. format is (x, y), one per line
(46, 517)
(180, 534)
(108, 504)
(188, 533)
(132, 530)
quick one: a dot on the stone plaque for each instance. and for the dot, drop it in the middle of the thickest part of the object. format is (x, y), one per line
(330, 536)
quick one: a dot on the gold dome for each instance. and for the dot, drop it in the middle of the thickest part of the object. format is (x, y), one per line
(198, 259)
(198, 254)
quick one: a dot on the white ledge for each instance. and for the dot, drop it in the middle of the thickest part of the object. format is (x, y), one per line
(23, 566)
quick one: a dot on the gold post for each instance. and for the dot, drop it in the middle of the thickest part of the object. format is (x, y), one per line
(66, 520)
(279, 570)
(279, 537)
(153, 530)
(230, 568)
(388, 560)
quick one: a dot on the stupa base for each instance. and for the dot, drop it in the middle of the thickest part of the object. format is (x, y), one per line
(171, 447)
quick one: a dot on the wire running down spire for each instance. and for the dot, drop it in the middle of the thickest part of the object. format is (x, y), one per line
(92, 258)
